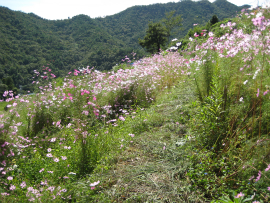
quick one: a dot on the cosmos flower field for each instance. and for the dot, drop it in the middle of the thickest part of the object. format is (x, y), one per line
(51, 139)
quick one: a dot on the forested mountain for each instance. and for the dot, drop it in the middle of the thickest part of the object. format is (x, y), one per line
(129, 25)
(29, 42)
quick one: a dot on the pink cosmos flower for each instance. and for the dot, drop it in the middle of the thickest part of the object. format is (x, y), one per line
(56, 160)
(53, 139)
(239, 195)
(258, 92)
(10, 178)
(49, 155)
(64, 157)
(63, 190)
(43, 183)
(122, 118)
(51, 188)
(265, 92)
(58, 123)
(92, 185)
(5, 94)
(23, 184)
(196, 35)
(259, 176)
(86, 113)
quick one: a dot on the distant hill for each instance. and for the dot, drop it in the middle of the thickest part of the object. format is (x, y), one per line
(28, 42)
(129, 25)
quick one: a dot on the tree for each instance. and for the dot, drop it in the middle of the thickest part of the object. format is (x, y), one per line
(3, 88)
(171, 22)
(214, 20)
(159, 33)
(155, 38)
(9, 82)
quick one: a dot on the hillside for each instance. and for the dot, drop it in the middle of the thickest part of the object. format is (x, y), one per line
(129, 25)
(179, 126)
(29, 42)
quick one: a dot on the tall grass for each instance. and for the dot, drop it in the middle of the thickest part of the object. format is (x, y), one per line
(231, 118)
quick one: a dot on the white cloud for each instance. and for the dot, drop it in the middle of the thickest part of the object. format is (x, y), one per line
(62, 9)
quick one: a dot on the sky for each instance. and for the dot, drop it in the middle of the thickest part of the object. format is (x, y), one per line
(63, 9)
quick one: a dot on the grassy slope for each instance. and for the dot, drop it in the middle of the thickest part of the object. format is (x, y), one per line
(153, 167)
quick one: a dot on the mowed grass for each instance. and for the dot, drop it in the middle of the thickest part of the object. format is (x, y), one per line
(153, 167)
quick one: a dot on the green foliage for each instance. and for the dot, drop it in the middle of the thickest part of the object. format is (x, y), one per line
(230, 135)
(155, 38)
(212, 128)
(234, 198)
(212, 174)
(214, 20)
(7, 84)
(171, 22)
(3, 88)
(123, 66)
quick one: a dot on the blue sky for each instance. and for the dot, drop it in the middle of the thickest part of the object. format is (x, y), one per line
(62, 9)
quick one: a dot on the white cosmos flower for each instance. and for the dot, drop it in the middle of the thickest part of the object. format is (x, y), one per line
(173, 48)
(94, 183)
(259, 14)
